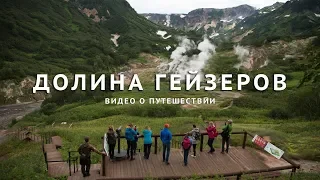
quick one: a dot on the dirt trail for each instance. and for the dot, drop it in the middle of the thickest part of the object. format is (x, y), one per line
(309, 166)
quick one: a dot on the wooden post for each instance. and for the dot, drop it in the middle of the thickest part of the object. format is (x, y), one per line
(103, 165)
(45, 158)
(119, 144)
(244, 140)
(155, 145)
(201, 143)
(69, 160)
(293, 172)
(238, 176)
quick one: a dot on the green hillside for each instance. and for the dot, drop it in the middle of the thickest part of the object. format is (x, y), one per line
(55, 36)
(294, 19)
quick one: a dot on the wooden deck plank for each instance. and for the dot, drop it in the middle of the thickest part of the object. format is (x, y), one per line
(49, 148)
(54, 156)
(58, 169)
(205, 164)
(57, 141)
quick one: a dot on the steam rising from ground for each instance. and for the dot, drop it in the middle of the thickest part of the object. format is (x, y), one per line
(243, 56)
(181, 63)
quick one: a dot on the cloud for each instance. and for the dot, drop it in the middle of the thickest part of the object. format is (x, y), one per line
(185, 6)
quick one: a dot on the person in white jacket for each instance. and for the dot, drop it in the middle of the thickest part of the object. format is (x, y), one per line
(195, 137)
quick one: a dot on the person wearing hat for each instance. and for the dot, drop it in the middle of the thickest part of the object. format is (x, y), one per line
(85, 156)
(130, 135)
(226, 132)
(166, 136)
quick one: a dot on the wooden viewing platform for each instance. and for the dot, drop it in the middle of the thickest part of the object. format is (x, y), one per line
(237, 161)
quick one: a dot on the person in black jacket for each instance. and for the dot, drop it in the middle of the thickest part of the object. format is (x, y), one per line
(85, 156)
(112, 140)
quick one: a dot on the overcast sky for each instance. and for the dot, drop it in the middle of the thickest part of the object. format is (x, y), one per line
(185, 6)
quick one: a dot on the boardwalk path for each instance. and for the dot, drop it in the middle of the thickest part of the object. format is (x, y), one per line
(205, 164)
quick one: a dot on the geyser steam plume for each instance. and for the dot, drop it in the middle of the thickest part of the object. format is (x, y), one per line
(243, 57)
(181, 63)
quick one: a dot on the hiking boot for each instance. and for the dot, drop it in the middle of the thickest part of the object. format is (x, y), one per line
(193, 156)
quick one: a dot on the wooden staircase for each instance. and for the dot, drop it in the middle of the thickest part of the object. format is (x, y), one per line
(57, 167)
(94, 173)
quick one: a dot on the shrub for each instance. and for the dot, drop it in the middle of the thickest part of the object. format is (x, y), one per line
(154, 110)
(49, 108)
(13, 122)
(279, 113)
(225, 104)
(250, 102)
(305, 102)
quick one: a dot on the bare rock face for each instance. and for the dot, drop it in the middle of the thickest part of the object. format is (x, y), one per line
(252, 58)
(12, 92)
(93, 14)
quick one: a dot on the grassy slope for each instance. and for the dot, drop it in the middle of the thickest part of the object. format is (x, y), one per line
(295, 19)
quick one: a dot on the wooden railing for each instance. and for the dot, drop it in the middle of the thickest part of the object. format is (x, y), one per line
(157, 137)
(72, 159)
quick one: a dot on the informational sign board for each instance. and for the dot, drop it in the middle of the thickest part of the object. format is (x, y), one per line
(259, 141)
(105, 144)
(273, 150)
(267, 146)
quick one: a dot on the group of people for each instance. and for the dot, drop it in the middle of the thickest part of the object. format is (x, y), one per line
(191, 139)
(132, 135)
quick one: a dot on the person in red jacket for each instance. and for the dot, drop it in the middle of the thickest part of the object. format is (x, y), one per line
(212, 133)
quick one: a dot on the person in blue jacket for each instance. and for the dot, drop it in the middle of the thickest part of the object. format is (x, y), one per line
(136, 138)
(166, 137)
(130, 136)
(147, 141)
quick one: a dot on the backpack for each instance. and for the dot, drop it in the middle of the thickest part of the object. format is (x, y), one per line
(111, 138)
(197, 135)
(225, 133)
(85, 150)
(215, 132)
(186, 143)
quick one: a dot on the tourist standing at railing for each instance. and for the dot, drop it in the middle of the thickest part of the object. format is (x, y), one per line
(85, 156)
(212, 134)
(166, 137)
(195, 137)
(226, 132)
(112, 140)
(147, 141)
(130, 137)
(186, 146)
(136, 138)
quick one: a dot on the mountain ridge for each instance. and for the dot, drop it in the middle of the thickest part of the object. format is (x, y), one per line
(202, 18)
